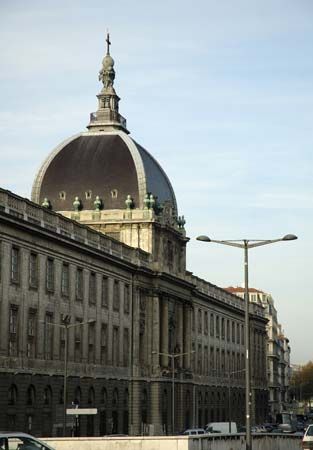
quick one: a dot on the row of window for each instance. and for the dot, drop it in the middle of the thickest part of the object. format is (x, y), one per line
(217, 362)
(49, 329)
(216, 326)
(47, 396)
(65, 285)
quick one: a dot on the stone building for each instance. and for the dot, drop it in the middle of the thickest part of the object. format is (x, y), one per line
(101, 250)
(278, 352)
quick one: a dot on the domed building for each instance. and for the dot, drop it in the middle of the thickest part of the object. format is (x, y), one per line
(103, 178)
(97, 308)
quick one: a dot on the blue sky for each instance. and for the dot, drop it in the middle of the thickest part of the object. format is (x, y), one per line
(220, 92)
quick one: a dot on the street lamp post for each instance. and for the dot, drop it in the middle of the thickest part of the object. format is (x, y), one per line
(66, 325)
(173, 356)
(246, 244)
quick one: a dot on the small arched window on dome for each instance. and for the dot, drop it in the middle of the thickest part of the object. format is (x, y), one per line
(62, 195)
(88, 194)
(114, 193)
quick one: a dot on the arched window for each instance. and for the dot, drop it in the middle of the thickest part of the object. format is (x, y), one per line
(12, 395)
(61, 396)
(91, 396)
(31, 395)
(115, 398)
(104, 396)
(78, 396)
(47, 396)
(126, 398)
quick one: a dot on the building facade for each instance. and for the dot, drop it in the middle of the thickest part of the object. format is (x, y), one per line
(278, 352)
(101, 248)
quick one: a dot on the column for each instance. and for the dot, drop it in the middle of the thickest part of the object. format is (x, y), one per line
(155, 334)
(156, 418)
(164, 331)
(187, 335)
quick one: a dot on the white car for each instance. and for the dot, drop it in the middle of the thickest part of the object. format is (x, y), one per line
(307, 441)
(194, 432)
(21, 441)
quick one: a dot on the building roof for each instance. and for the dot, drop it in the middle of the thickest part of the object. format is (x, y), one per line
(97, 164)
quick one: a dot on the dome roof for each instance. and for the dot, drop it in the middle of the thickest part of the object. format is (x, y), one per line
(108, 164)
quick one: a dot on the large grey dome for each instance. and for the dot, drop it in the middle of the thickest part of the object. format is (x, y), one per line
(98, 164)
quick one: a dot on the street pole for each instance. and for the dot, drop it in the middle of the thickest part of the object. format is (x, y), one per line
(66, 325)
(173, 356)
(173, 393)
(247, 244)
(247, 348)
(65, 377)
(229, 408)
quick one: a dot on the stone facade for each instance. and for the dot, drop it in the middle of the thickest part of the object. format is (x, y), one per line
(278, 352)
(144, 307)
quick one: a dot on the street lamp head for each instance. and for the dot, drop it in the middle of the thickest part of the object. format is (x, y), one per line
(203, 239)
(289, 237)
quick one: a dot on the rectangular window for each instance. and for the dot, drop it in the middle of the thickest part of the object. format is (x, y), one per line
(199, 321)
(212, 324)
(116, 295)
(115, 346)
(49, 336)
(206, 325)
(31, 333)
(223, 328)
(31, 323)
(217, 322)
(78, 340)
(50, 275)
(206, 360)
(15, 265)
(193, 356)
(92, 288)
(126, 347)
(233, 332)
(33, 270)
(13, 339)
(126, 299)
(104, 343)
(199, 359)
(91, 342)
(223, 362)
(212, 361)
(228, 331)
(62, 341)
(104, 293)
(0, 260)
(13, 319)
(218, 362)
(65, 280)
(79, 284)
(242, 336)
(238, 333)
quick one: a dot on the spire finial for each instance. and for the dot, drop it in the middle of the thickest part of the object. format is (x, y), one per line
(108, 42)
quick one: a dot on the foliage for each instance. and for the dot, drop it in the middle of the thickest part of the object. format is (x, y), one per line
(301, 383)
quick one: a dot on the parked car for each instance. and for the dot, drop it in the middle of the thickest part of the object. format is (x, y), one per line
(21, 441)
(258, 429)
(194, 432)
(221, 427)
(307, 440)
